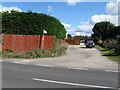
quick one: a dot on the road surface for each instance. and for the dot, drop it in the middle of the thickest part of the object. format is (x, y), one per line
(77, 57)
(30, 76)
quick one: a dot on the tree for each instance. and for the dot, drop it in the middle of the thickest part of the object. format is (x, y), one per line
(69, 36)
(81, 37)
(118, 37)
(102, 30)
(29, 23)
(115, 32)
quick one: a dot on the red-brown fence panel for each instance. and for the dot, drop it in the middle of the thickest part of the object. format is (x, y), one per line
(63, 41)
(76, 41)
(33, 42)
(6, 41)
(48, 42)
(71, 42)
(24, 43)
(1, 41)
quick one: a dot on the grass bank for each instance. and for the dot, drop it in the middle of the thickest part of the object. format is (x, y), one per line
(58, 50)
(37, 53)
(111, 53)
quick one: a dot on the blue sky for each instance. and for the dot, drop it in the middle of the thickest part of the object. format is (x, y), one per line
(78, 18)
(65, 13)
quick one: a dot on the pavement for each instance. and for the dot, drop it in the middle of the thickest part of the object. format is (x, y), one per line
(31, 76)
(78, 56)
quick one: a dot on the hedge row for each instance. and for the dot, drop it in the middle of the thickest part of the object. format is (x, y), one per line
(29, 23)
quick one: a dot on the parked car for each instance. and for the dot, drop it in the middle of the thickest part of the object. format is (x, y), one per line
(90, 43)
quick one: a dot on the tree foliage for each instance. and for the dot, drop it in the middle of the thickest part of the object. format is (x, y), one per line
(115, 32)
(118, 38)
(29, 23)
(102, 30)
(81, 37)
(69, 36)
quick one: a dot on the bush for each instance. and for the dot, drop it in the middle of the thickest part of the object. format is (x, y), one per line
(37, 53)
(29, 23)
(57, 43)
(118, 38)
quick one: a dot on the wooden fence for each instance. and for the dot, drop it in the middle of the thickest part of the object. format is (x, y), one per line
(1, 38)
(71, 42)
(24, 43)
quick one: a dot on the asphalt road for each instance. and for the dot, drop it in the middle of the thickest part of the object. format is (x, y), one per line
(29, 76)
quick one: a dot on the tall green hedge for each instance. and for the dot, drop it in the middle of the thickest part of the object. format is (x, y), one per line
(29, 23)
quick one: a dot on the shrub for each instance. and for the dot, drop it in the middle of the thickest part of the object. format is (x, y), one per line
(118, 38)
(37, 53)
(29, 23)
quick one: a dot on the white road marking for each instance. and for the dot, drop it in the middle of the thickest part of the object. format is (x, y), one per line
(68, 83)
(46, 65)
(77, 68)
(111, 71)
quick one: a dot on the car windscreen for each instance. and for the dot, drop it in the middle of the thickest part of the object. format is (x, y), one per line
(90, 41)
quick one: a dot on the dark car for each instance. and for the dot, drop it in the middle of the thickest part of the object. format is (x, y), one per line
(90, 43)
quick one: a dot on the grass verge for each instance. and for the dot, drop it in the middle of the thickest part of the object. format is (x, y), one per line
(37, 53)
(111, 53)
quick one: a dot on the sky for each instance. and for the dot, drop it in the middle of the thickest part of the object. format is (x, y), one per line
(78, 18)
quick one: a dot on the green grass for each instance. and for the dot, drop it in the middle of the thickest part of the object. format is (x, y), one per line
(37, 53)
(114, 58)
(111, 53)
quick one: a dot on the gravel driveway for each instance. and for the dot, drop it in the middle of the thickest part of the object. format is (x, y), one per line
(77, 57)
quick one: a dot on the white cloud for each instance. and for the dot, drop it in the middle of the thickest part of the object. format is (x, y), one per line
(66, 25)
(112, 8)
(50, 8)
(98, 18)
(78, 33)
(71, 31)
(85, 28)
(83, 34)
(2, 8)
(72, 2)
